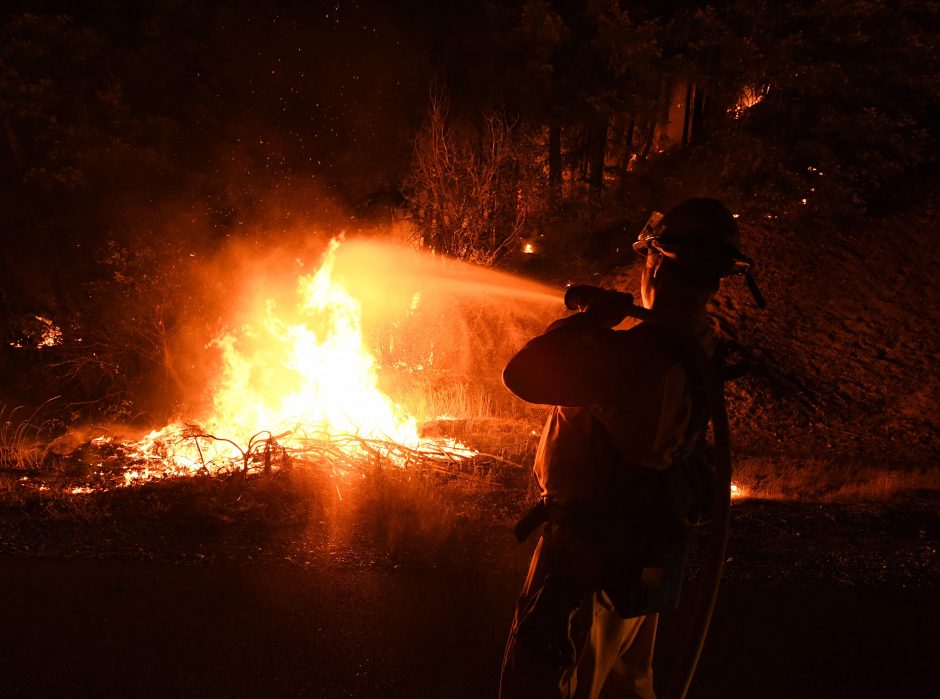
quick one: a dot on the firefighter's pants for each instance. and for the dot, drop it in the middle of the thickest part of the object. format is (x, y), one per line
(610, 657)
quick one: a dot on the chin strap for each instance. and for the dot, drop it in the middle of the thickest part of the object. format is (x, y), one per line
(755, 290)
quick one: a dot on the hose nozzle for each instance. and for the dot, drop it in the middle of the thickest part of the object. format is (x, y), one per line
(580, 296)
(605, 305)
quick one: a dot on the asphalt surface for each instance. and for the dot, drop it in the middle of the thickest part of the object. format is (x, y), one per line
(123, 629)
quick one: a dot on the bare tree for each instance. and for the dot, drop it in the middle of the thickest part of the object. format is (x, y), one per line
(471, 189)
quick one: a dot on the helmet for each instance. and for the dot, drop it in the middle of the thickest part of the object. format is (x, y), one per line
(699, 234)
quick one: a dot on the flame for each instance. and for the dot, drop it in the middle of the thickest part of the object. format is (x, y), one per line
(296, 375)
(314, 376)
(750, 96)
(305, 375)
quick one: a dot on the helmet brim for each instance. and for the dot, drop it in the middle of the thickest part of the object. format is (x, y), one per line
(725, 260)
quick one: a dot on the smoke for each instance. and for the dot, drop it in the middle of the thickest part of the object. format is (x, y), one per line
(437, 323)
(440, 330)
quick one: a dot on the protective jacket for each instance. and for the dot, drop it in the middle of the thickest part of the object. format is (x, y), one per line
(624, 417)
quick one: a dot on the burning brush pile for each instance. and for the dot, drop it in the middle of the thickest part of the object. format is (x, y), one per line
(362, 363)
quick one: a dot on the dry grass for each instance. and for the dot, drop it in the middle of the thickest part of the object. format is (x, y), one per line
(446, 397)
(397, 498)
(395, 512)
(24, 439)
(818, 480)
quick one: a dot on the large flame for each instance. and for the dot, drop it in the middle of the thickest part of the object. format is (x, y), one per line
(308, 378)
(311, 377)
(308, 366)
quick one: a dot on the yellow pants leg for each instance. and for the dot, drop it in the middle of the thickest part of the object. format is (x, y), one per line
(616, 661)
(522, 676)
(614, 656)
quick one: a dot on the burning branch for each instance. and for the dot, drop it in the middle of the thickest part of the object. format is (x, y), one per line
(258, 443)
(180, 452)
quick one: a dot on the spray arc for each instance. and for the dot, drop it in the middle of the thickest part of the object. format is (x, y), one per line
(350, 362)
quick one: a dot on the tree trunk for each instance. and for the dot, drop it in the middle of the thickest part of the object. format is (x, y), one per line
(650, 132)
(597, 149)
(698, 115)
(687, 119)
(14, 144)
(584, 150)
(626, 153)
(554, 161)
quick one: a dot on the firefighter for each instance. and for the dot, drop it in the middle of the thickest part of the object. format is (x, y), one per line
(620, 464)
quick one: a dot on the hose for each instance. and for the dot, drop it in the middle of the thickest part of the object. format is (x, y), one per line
(717, 542)
(580, 297)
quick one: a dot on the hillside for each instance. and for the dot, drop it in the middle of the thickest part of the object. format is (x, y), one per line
(842, 397)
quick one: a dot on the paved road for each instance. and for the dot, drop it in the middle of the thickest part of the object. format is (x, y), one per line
(84, 628)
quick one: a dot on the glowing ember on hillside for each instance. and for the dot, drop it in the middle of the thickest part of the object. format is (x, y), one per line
(751, 96)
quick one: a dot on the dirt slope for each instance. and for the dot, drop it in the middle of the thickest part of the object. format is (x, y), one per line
(846, 349)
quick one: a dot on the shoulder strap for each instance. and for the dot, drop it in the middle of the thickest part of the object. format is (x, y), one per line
(679, 348)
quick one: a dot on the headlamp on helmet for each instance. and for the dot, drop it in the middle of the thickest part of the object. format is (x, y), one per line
(701, 235)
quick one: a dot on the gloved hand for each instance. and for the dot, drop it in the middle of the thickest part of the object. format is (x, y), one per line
(606, 306)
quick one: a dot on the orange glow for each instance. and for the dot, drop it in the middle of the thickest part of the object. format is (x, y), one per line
(311, 377)
(750, 96)
(307, 378)
(50, 335)
(300, 367)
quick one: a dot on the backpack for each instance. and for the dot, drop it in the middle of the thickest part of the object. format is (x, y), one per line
(646, 554)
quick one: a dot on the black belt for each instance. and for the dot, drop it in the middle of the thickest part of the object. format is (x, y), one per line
(531, 521)
(589, 519)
